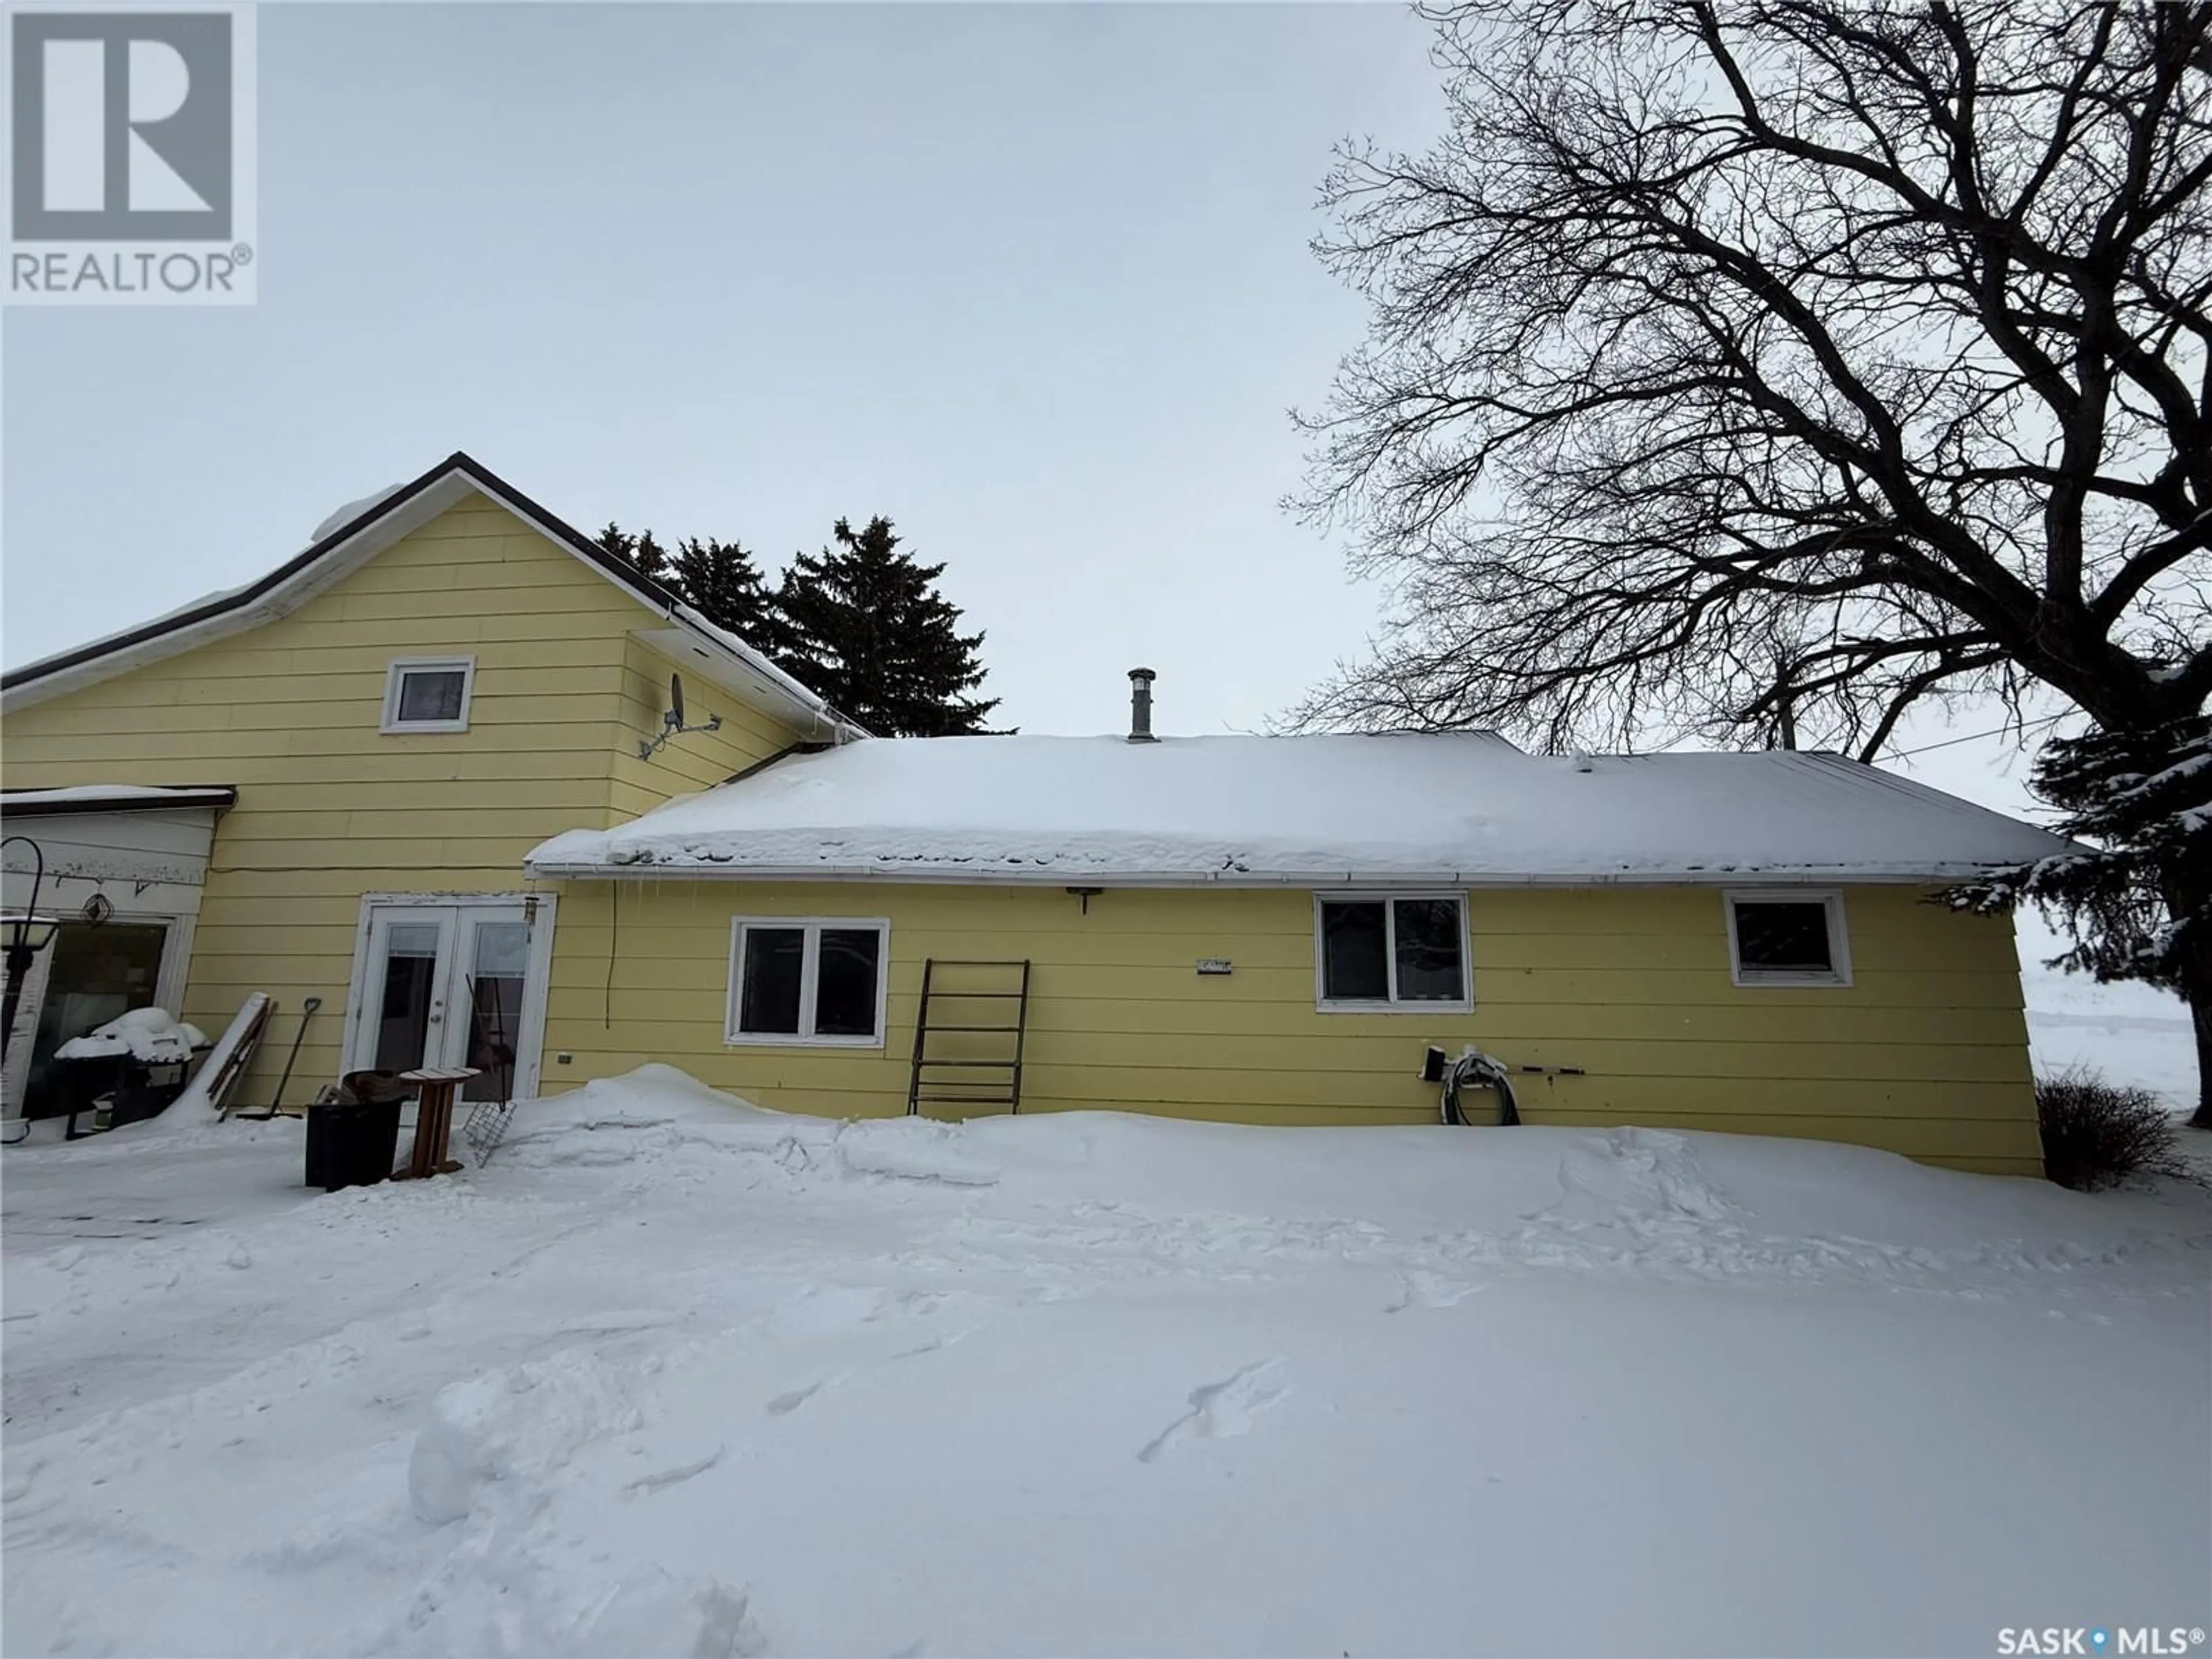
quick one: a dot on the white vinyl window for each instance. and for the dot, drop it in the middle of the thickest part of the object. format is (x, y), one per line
(816, 981)
(1378, 952)
(1788, 936)
(428, 694)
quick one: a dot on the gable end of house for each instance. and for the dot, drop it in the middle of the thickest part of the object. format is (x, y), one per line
(712, 652)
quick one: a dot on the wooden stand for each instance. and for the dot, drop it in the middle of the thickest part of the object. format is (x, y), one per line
(433, 1120)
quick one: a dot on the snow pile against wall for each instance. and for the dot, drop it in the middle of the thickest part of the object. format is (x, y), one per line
(657, 1110)
(1445, 806)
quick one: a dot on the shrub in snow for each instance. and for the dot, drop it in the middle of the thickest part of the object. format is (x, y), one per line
(2098, 1135)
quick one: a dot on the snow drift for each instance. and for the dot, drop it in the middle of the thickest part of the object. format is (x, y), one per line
(675, 1374)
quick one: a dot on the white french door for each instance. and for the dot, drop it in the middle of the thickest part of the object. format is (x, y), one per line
(440, 980)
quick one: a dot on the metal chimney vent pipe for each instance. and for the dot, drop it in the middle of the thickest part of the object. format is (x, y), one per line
(1140, 705)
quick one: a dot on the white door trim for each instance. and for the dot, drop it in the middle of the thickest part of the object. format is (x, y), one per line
(530, 1042)
(33, 1003)
(176, 960)
(169, 978)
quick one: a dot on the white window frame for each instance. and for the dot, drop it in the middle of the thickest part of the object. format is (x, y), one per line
(395, 675)
(1394, 1005)
(810, 968)
(1839, 944)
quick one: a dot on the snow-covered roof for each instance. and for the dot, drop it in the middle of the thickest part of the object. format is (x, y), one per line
(1460, 807)
(359, 531)
(345, 515)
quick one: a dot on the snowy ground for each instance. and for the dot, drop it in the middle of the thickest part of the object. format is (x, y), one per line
(2132, 1033)
(671, 1375)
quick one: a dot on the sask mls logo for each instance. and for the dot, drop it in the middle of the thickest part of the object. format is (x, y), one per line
(129, 156)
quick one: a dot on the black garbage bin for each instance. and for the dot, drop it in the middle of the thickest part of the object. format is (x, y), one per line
(353, 1144)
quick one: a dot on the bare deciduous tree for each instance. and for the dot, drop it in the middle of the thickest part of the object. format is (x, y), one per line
(1786, 365)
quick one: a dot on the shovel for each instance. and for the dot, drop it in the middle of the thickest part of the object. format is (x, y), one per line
(307, 1012)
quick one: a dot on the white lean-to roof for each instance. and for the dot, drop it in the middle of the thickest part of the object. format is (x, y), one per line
(99, 797)
(1462, 807)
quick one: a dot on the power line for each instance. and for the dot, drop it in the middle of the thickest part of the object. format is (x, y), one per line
(1975, 737)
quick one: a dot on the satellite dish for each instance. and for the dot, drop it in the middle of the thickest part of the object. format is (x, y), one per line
(672, 722)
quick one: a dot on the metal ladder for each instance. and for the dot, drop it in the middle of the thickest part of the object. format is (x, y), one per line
(978, 1077)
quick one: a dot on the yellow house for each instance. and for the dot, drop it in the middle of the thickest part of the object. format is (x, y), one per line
(1278, 930)
(322, 785)
(406, 773)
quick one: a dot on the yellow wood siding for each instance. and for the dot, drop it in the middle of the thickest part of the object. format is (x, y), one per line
(330, 808)
(698, 760)
(1924, 1053)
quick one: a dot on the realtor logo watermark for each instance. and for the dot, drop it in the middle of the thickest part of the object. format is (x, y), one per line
(2101, 1641)
(130, 163)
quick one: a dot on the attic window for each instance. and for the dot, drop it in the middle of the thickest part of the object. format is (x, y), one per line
(1401, 951)
(428, 694)
(1788, 936)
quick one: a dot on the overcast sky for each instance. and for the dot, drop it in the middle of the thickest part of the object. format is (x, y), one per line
(1033, 279)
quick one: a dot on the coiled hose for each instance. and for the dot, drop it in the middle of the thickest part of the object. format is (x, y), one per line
(1476, 1069)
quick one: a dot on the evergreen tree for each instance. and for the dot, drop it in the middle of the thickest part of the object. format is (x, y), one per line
(720, 581)
(641, 551)
(2140, 804)
(865, 627)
